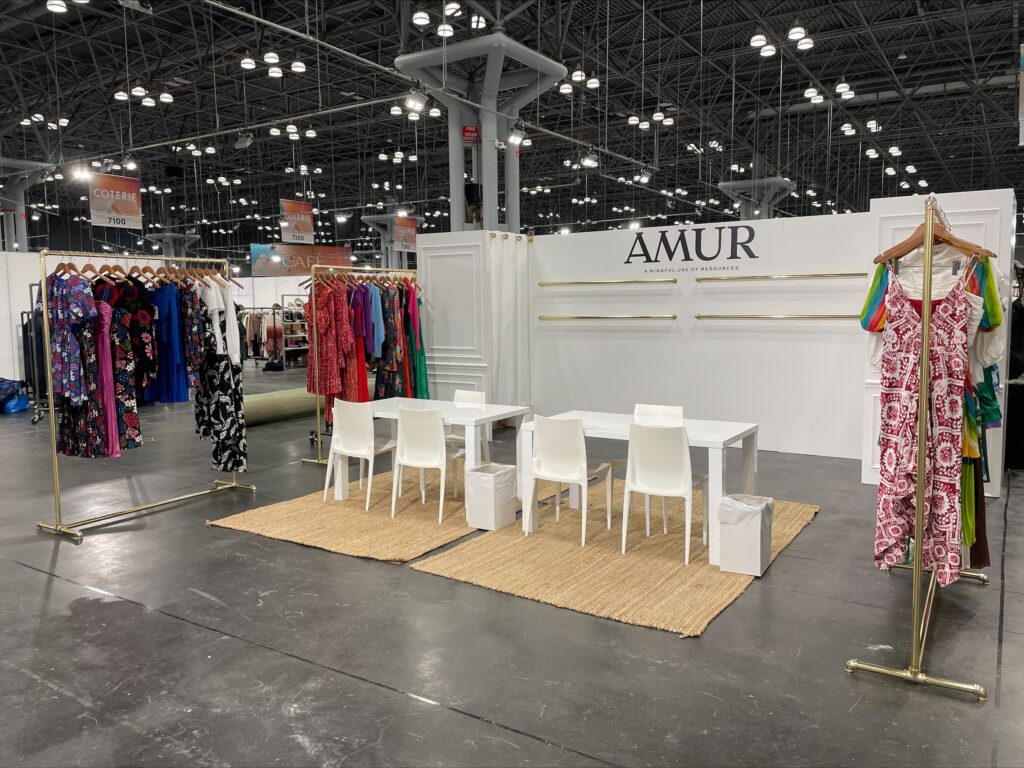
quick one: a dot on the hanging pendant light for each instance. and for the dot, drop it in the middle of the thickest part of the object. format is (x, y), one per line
(271, 58)
(298, 67)
(310, 133)
(593, 82)
(767, 50)
(658, 116)
(148, 101)
(395, 109)
(445, 30)
(275, 71)
(817, 98)
(166, 98)
(796, 32)
(248, 62)
(758, 40)
(578, 76)
(847, 95)
(805, 43)
(667, 122)
(139, 91)
(842, 86)
(434, 112)
(121, 96)
(56, 6)
(275, 131)
(421, 18)
(811, 92)
(633, 120)
(644, 125)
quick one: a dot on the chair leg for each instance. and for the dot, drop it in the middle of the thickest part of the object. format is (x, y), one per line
(608, 497)
(423, 487)
(664, 514)
(625, 516)
(558, 501)
(486, 449)
(455, 477)
(583, 506)
(440, 506)
(360, 473)
(369, 480)
(396, 483)
(330, 473)
(688, 501)
(647, 511)
(706, 505)
(397, 469)
(528, 505)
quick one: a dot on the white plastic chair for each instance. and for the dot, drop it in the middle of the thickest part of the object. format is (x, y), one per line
(669, 416)
(456, 437)
(421, 446)
(560, 456)
(353, 437)
(658, 465)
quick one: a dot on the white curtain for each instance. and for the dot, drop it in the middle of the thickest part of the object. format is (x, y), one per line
(509, 367)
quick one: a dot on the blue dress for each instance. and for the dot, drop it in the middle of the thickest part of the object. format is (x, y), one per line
(171, 383)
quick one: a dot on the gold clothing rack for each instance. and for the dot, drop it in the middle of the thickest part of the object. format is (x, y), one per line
(922, 605)
(645, 281)
(608, 317)
(75, 529)
(768, 278)
(313, 357)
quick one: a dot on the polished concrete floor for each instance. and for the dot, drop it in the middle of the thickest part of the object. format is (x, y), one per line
(159, 641)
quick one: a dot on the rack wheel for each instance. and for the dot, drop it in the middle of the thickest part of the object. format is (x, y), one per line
(37, 418)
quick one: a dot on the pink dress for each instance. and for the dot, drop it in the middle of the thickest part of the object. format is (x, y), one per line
(105, 367)
(900, 382)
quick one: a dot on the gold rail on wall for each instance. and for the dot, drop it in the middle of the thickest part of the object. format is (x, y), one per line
(809, 276)
(648, 281)
(777, 317)
(607, 317)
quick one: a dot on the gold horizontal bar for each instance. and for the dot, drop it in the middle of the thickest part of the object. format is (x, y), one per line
(777, 317)
(74, 529)
(978, 576)
(607, 317)
(650, 281)
(112, 256)
(807, 276)
(918, 677)
(322, 462)
(353, 270)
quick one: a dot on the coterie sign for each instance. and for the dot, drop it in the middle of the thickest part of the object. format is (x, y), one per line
(404, 234)
(299, 216)
(115, 201)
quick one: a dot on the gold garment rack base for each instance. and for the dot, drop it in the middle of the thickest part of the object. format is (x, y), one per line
(607, 317)
(75, 530)
(776, 317)
(913, 673)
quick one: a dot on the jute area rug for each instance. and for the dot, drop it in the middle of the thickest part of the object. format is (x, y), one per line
(343, 526)
(648, 586)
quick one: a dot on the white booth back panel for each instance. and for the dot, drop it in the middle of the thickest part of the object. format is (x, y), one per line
(800, 380)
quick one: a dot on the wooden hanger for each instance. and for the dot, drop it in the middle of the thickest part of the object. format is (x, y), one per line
(941, 234)
(90, 269)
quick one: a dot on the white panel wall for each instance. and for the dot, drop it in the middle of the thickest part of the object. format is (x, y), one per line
(456, 298)
(800, 380)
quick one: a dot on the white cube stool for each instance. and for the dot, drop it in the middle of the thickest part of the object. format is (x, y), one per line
(491, 496)
(745, 534)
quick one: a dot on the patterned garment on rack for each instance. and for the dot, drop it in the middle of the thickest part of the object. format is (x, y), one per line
(137, 300)
(390, 380)
(129, 430)
(70, 304)
(81, 429)
(323, 374)
(900, 382)
(219, 409)
(191, 310)
(346, 346)
(104, 360)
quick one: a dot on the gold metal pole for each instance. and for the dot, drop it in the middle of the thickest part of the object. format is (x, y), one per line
(607, 317)
(646, 281)
(922, 604)
(48, 359)
(74, 530)
(805, 276)
(701, 316)
(924, 381)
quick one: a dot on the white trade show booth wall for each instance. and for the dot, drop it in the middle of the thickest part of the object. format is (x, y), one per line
(18, 270)
(804, 381)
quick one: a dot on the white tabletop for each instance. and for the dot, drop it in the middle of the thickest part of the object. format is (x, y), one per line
(464, 414)
(701, 433)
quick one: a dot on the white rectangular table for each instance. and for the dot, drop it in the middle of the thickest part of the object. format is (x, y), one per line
(716, 436)
(473, 418)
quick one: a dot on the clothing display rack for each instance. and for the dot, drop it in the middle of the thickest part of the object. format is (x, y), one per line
(314, 271)
(287, 333)
(264, 347)
(922, 605)
(74, 529)
(33, 371)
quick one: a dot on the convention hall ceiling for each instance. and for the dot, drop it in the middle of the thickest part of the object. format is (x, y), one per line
(936, 78)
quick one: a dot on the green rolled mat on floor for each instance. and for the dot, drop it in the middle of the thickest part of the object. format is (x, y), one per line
(282, 405)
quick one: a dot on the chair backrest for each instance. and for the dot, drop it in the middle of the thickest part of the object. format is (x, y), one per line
(353, 427)
(469, 397)
(653, 415)
(559, 447)
(420, 437)
(659, 458)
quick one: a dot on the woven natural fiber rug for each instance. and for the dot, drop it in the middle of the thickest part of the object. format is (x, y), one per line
(648, 586)
(343, 526)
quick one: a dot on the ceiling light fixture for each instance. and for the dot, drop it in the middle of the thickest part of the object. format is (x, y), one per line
(805, 43)
(275, 131)
(121, 96)
(593, 83)
(129, 163)
(421, 18)
(452, 9)
(658, 116)
(395, 109)
(810, 93)
(817, 98)
(565, 87)
(758, 40)
(416, 100)
(414, 116)
(633, 120)
(644, 125)
(57, 6)
(767, 50)
(527, 142)
(578, 76)
(434, 112)
(298, 67)
(667, 122)
(476, 21)
(310, 133)
(148, 101)
(842, 86)
(271, 58)
(166, 98)
(517, 134)
(796, 32)
(275, 71)
(139, 91)
(445, 30)
(589, 160)
(248, 62)
(645, 176)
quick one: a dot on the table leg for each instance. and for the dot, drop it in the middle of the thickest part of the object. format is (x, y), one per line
(340, 478)
(517, 423)
(716, 490)
(749, 473)
(526, 472)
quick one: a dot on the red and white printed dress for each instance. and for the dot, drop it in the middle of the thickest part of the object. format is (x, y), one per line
(900, 380)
